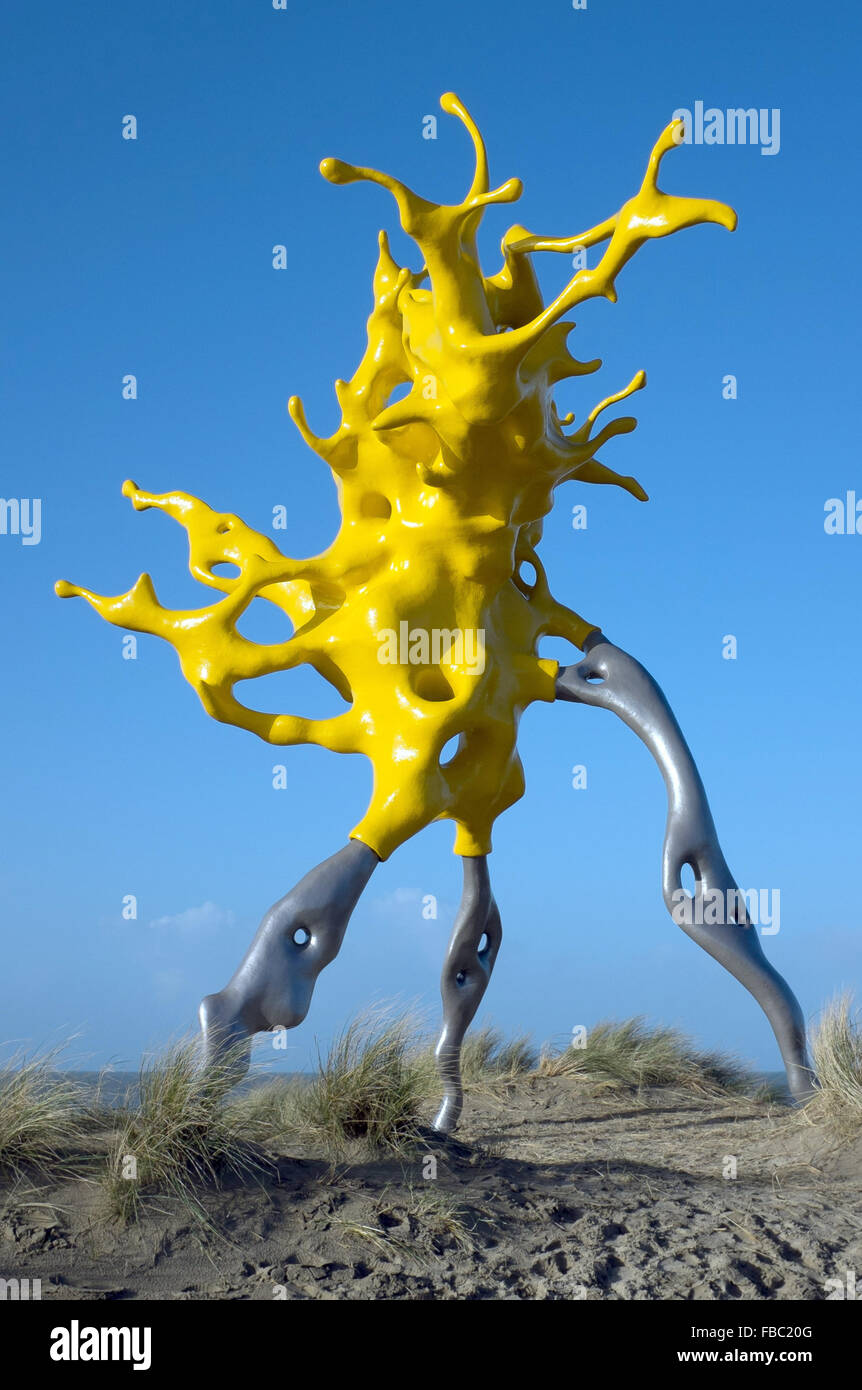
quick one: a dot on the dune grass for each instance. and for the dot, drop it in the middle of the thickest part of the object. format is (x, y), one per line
(270, 1110)
(182, 1135)
(42, 1119)
(377, 1083)
(373, 1093)
(633, 1054)
(488, 1055)
(836, 1050)
(373, 1086)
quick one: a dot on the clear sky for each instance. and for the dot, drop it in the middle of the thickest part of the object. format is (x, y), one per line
(154, 257)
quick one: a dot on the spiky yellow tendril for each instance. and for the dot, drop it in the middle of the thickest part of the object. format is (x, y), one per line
(442, 497)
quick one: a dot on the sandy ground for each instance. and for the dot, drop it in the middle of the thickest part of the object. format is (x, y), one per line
(550, 1192)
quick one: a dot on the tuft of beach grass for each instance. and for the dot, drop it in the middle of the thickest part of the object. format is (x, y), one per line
(181, 1136)
(488, 1055)
(42, 1119)
(836, 1050)
(373, 1086)
(633, 1054)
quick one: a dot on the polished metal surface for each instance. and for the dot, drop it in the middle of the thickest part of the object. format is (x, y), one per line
(300, 934)
(609, 678)
(473, 948)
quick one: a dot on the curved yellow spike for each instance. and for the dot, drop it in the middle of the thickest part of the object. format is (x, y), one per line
(637, 383)
(410, 205)
(453, 106)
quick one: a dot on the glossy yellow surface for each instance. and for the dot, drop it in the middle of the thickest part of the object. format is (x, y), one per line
(442, 496)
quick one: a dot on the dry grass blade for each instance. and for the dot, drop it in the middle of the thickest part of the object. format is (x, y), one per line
(442, 1215)
(380, 1240)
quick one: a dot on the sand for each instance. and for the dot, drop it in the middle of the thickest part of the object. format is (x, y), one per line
(552, 1190)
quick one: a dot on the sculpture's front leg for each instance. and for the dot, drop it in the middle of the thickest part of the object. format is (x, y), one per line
(611, 679)
(300, 934)
(466, 973)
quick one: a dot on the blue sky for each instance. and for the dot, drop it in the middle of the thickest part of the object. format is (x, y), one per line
(154, 257)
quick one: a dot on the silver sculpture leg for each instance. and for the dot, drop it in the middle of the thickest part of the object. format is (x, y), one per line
(302, 933)
(611, 679)
(473, 948)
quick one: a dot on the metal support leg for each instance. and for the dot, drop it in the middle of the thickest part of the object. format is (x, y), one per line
(611, 679)
(473, 948)
(298, 936)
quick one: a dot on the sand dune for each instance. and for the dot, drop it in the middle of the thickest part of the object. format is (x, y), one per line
(551, 1191)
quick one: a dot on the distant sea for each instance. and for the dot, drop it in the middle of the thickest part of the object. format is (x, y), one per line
(121, 1087)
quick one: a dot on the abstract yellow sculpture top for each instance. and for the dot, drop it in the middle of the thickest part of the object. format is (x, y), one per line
(418, 613)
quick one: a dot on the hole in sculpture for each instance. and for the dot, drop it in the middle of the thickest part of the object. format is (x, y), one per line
(326, 594)
(595, 678)
(527, 573)
(688, 879)
(226, 569)
(461, 977)
(301, 691)
(264, 623)
(430, 684)
(558, 649)
(484, 943)
(301, 936)
(449, 749)
(399, 392)
(375, 506)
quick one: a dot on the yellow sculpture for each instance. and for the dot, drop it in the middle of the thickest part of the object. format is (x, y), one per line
(419, 613)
